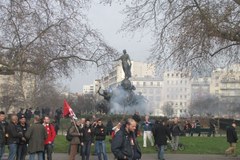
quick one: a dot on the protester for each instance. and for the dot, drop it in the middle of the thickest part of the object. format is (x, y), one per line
(22, 146)
(100, 136)
(160, 134)
(20, 113)
(37, 111)
(232, 140)
(109, 127)
(137, 119)
(198, 127)
(56, 126)
(124, 144)
(28, 115)
(116, 129)
(176, 131)
(51, 134)
(58, 114)
(14, 134)
(212, 128)
(74, 132)
(36, 134)
(187, 128)
(87, 140)
(147, 131)
(2, 133)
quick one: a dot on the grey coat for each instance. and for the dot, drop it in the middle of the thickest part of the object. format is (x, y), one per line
(36, 134)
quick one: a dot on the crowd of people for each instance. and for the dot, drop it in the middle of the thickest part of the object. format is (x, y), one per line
(22, 138)
(37, 139)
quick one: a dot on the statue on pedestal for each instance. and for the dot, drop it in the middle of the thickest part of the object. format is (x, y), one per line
(126, 64)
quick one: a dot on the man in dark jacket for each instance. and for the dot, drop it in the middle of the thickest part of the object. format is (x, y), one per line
(124, 144)
(36, 134)
(86, 140)
(100, 136)
(232, 140)
(2, 133)
(22, 146)
(160, 134)
(137, 118)
(175, 130)
(14, 134)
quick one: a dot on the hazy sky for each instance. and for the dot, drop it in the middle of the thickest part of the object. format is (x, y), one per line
(107, 20)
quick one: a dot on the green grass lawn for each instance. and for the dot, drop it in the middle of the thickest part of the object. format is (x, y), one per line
(193, 145)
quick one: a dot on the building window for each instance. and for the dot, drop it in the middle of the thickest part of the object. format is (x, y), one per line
(158, 83)
(151, 83)
(144, 83)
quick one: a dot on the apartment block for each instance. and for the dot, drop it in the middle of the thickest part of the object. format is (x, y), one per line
(177, 92)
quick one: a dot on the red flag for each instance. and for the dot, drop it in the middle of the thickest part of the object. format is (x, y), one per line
(67, 110)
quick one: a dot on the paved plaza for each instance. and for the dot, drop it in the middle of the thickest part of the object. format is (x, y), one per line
(62, 156)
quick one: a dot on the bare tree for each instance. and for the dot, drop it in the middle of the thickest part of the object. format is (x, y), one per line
(49, 37)
(47, 94)
(194, 34)
(8, 94)
(206, 106)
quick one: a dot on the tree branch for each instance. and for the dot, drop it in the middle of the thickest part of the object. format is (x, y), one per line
(237, 1)
(214, 53)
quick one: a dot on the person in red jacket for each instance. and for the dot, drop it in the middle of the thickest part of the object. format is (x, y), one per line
(51, 134)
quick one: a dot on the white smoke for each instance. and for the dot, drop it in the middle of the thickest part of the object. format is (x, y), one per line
(128, 102)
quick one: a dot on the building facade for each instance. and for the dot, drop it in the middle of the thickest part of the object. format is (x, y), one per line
(225, 83)
(150, 88)
(200, 87)
(176, 92)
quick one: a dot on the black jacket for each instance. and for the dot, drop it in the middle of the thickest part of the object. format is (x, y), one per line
(13, 133)
(160, 134)
(88, 134)
(23, 129)
(100, 133)
(3, 132)
(231, 135)
(175, 130)
(125, 144)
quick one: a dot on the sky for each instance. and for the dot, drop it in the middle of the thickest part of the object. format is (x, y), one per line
(108, 20)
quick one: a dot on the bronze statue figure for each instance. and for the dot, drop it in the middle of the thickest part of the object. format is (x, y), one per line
(126, 64)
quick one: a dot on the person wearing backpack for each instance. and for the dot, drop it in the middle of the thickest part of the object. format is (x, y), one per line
(75, 141)
(124, 144)
(51, 134)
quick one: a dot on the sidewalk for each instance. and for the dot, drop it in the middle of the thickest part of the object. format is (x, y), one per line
(64, 156)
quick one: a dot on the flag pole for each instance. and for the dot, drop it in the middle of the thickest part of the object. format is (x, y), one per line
(75, 125)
